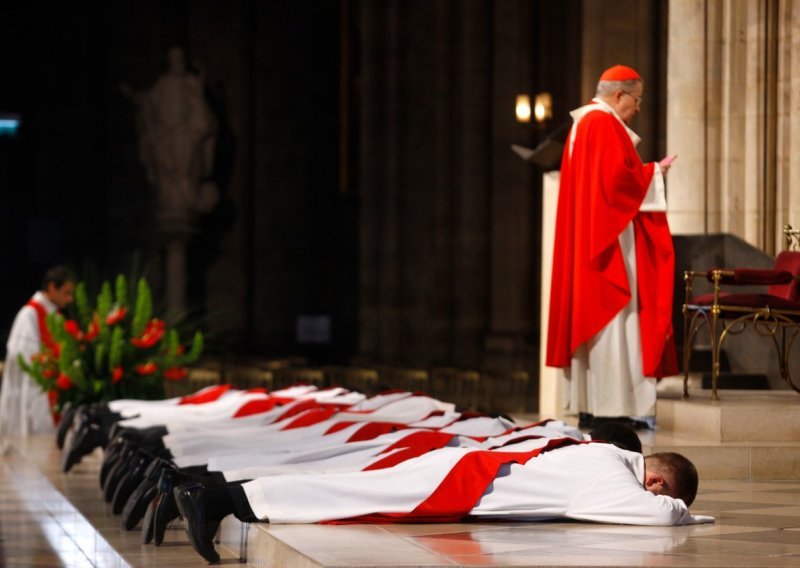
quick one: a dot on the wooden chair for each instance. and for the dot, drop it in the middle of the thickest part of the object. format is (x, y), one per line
(459, 386)
(504, 391)
(775, 314)
(359, 379)
(249, 376)
(288, 376)
(412, 380)
(198, 377)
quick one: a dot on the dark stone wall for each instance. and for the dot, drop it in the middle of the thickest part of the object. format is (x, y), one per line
(363, 159)
(74, 190)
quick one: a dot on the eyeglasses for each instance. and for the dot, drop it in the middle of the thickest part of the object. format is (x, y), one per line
(634, 97)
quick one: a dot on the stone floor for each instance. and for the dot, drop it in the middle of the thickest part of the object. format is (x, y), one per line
(48, 518)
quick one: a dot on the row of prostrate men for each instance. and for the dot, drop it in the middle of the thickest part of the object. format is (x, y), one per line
(308, 455)
(610, 320)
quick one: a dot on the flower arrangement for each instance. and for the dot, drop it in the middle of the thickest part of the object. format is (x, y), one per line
(110, 351)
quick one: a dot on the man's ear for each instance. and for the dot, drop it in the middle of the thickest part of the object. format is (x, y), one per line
(651, 479)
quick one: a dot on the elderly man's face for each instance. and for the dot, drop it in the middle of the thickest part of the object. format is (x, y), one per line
(628, 102)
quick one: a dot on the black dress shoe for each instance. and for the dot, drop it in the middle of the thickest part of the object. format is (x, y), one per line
(67, 415)
(165, 510)
(120, 468)
(111, 456)
(143, 495)
(585, 420)
(190, 499)
(130, 481)
(625, 420)
(87, 438)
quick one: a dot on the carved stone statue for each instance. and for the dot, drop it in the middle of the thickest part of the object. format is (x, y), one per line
(177, 134)
(176, 137)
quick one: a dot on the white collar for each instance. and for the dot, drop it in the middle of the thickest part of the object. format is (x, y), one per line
(600, 104)
(48, 304)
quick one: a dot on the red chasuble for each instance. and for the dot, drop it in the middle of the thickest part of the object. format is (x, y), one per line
(603, 184)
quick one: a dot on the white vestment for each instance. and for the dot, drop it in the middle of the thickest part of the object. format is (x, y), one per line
(24, 407)
(606, 376)
(590, 482)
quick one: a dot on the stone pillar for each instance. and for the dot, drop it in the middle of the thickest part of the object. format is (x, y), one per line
(550, 379)
(788, 118)
(174, 230)
(175, 274)
(732, 117)
(688, 117)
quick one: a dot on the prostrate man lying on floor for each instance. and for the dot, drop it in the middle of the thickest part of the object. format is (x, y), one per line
(534, 480)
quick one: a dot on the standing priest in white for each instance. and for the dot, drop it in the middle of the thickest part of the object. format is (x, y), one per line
(24, 407)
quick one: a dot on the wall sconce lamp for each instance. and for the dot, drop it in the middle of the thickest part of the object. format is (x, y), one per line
(543, 107)
(523, 108)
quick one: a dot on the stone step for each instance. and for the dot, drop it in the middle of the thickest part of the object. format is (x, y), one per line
(738, 416)
(757, 461)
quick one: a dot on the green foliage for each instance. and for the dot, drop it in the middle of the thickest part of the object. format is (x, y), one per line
(144, 307)
(108, 352)
(82, 304)
(122, 291)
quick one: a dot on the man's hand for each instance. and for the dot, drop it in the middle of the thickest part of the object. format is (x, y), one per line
(665, 163)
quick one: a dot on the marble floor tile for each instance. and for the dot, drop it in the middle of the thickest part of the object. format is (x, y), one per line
(52, 519)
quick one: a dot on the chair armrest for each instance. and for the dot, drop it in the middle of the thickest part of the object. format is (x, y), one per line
(749, 276)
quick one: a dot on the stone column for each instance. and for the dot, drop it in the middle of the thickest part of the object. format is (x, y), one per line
(174, 232)
(550, 379)
(788, 118)
(688, 117)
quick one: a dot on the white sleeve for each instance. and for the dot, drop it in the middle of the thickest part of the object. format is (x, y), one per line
(24, 335)
(655, 200)
(622, 499)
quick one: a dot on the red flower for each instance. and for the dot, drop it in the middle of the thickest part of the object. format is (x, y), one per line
(146, 368)
(175, 373)
(49, 373)
(116, 374)
(72, 327)
(94, 328)
(151, 334)
(116, 315)
(63, 382)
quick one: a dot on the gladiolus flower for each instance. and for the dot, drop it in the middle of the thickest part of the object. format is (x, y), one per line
(72, 327)
(116, 374)
(116, 315)
(94, 329)
(146, 368)
(175, 373)
(63, 382)
(151, 334)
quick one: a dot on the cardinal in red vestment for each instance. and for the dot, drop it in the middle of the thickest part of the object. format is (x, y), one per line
(613, 263)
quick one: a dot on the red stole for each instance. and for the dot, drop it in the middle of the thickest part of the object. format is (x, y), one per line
(461, 488)
(47, 339)
(44, 332)
(603, 184)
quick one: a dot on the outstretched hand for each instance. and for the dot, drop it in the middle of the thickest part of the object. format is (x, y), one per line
(666, 163)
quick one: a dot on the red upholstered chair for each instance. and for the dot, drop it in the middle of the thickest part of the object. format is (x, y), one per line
(775, 314)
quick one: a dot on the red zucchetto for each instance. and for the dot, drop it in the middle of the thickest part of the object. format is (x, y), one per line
(620, 73)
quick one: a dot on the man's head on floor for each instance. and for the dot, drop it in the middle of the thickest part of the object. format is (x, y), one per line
(671, 474)
(620, 435)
